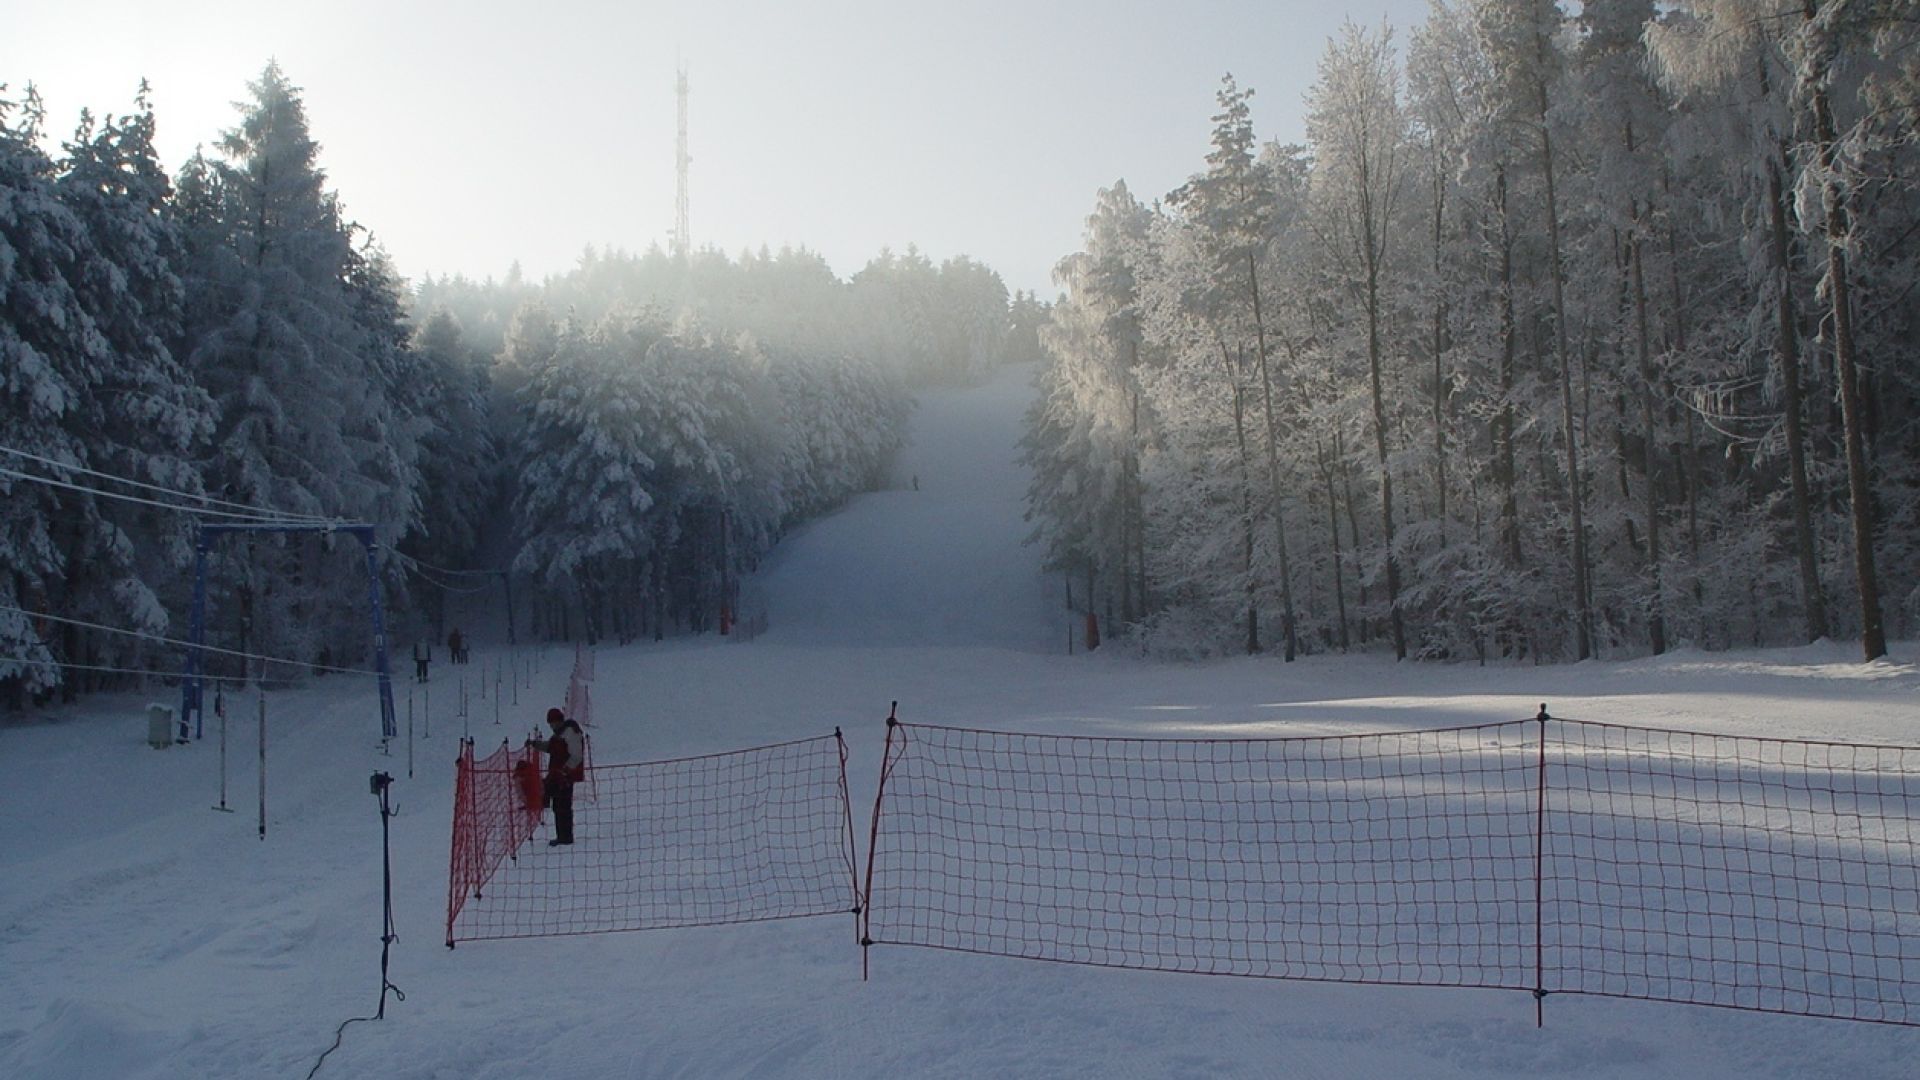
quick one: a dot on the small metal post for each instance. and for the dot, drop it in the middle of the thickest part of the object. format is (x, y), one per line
(263, 762)
(365, 535)
(190, 688)
(506, 582)
(380, 784)
(220, 710)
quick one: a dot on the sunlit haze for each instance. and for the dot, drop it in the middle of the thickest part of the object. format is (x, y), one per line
(467, 136)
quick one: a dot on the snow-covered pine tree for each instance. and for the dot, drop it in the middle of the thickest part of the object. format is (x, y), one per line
(50, 353)
(582, 500)
(972, 320)
(1026, 314)
(294, 342)
(457, 455)
(141, 415)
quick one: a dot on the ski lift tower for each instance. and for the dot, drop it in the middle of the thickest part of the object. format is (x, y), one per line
(192, 700)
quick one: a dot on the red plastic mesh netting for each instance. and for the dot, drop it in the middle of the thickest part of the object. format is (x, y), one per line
(745, 836)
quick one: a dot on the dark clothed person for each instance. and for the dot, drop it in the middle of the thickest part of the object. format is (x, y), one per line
(566, 766)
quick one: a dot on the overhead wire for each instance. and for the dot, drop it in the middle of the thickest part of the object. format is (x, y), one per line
(420, 569)
(209, 500)
(443, 570)
(214, 649)
(251, 515)
(83, 489)
(148, 672)
(236, 513)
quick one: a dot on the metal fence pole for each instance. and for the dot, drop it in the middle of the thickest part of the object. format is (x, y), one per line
(1539, 889)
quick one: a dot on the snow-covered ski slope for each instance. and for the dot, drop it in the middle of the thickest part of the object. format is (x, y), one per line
(144, 935)
(938, 559)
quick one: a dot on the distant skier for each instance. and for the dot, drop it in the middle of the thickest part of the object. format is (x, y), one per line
(456, 651)
(566, 766)
(421, 654)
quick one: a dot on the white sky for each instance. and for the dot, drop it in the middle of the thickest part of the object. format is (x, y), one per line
(470, 135)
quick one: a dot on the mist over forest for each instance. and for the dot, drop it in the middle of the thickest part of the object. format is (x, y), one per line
(626, 440)
(1570, 331)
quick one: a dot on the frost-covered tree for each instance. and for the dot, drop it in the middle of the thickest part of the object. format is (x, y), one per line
(1520, 38)
(1616, 299)
(1229, 209)
(1358, 130)
(1086, 428)
(1820, 87)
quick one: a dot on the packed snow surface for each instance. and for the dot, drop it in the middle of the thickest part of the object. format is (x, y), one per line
(145, 935)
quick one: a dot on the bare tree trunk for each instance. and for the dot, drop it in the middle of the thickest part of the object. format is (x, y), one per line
(1583, 608)
(1439, 350)
(1333, 524)
(1291, 646)
(1246, 498)
(1504, 470)
(659, 588)
(1873, 638)
(1353, 528)
(1380, 448)
(1690, 460)
(1786, 351)
(1139, 508)
(1656, 618)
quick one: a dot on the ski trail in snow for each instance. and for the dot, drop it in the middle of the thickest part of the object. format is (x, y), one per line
(942, 565)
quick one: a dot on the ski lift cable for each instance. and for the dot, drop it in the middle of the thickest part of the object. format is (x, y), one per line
(457, 590)
(210, 501)
(64, 665)
(144, 636)
(423, 564)
(421, 569)
(247, 519)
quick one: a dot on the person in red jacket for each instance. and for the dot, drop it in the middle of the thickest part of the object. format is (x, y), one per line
(566, 766)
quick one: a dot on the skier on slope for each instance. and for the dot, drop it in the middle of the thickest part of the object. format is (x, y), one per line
(566, 766)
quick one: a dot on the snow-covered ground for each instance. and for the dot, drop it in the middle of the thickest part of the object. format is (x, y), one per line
(143, 934)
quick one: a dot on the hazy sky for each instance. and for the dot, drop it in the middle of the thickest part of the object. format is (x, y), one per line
(470, 135)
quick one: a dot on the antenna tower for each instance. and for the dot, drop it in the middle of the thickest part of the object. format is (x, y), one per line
(682, 236)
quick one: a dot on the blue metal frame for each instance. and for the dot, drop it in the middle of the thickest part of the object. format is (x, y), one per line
(192, 700)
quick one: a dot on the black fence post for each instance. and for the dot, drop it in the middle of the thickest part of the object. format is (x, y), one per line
(873, 837)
